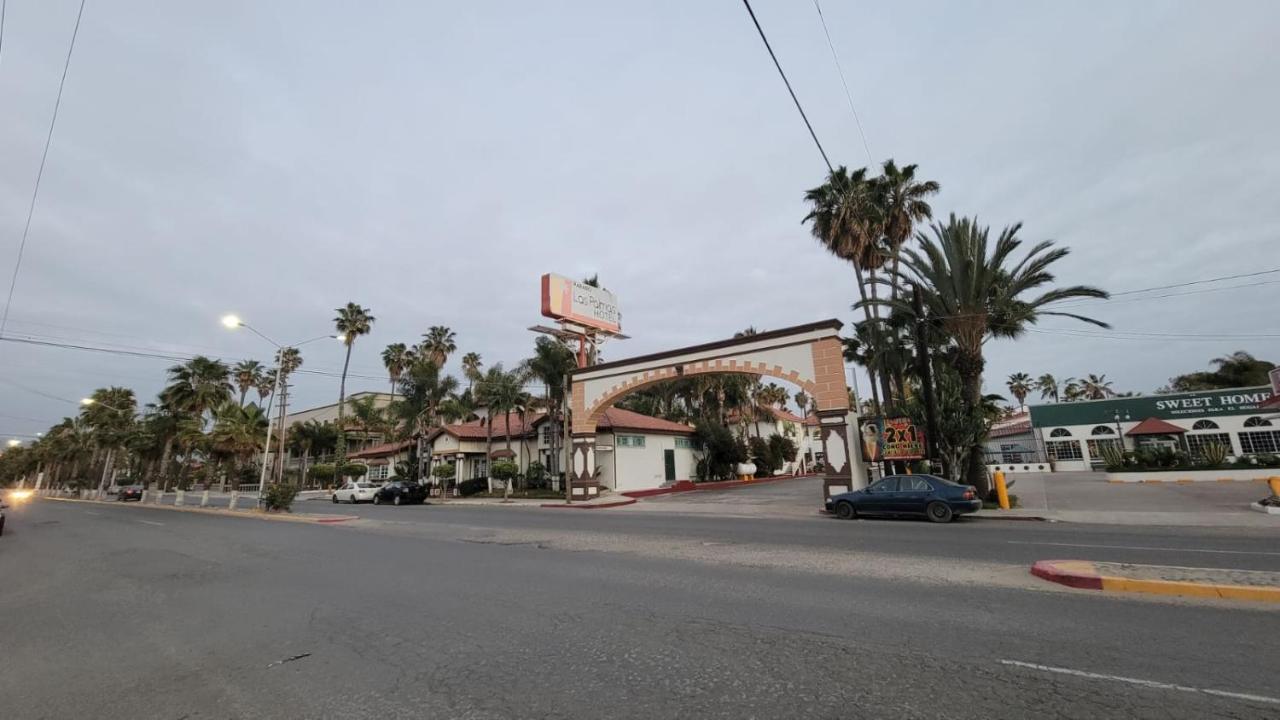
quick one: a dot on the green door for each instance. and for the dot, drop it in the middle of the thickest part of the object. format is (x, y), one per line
(669, 464)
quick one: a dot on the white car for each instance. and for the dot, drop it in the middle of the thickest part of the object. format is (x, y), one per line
(355, 491)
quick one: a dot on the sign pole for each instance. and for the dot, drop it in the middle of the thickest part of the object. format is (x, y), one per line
(568, 449)
(926, 377)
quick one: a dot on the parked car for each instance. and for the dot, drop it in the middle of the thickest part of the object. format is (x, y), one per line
(400, 492)
(355, 491)
(130, 492)
(936, 498)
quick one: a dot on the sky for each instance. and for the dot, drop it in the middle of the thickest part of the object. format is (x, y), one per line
(431, 160)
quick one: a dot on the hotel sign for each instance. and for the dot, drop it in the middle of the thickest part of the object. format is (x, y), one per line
(593, 307)
(1204, 403)
(895, 438)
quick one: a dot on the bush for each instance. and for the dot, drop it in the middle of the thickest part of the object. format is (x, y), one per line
(504, 470)
(535, 476)
(444, 471)
(354, 470)
(721, 451)
(1214, 454)
(279, 496)
(762, 456)
(782, 449)
(470, 487)
(322, 472)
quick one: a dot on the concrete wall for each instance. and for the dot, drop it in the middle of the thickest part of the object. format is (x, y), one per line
(639, 468)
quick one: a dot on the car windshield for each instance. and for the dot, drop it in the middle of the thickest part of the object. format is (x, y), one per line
(366, 485)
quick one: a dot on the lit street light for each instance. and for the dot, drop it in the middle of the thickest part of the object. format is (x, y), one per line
(14, 442)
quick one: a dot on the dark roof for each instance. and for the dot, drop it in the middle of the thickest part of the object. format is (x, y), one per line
(383, 450)
(1155, 426)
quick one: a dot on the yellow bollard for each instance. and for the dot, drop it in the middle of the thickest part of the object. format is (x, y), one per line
(1002, 492)
(1274, 482)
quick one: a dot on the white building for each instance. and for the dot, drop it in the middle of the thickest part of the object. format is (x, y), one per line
(770, 421)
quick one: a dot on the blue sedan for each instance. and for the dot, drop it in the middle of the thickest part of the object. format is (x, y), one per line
(936, 498)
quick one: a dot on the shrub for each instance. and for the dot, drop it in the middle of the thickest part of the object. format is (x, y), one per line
(535, 476)
(279, 496)
(1113, 456)
(354, 470)
(322, 472)
(783, 450)
(471, 487)
(444, 471)
(504, 470)
(1214, 454)
(762, 456)
(721, 451)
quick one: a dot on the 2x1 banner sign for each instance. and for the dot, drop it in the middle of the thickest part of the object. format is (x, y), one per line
(593, 307)
(895, 438)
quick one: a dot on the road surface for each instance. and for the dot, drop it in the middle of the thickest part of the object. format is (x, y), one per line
(478, 612)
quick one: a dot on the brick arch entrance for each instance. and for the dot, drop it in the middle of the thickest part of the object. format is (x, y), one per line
(809, 356)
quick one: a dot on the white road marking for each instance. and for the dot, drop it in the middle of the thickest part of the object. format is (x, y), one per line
(1144, 683)
(150, 522)
(90, 512)
(1143, 547)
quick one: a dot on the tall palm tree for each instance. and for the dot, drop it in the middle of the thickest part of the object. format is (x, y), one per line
(489, 391)
(972, 291)
(238, 431)
(395, 357)
(246, 374)
(1096, 387)
(471, 365)
(1047, 384)
(351, 322)
(845, 218)
(1020, 385)
(902, 204)
(802, 402)
(265, 384)
(197, 386)
(438, 343)
(109, 418)
(550, 363)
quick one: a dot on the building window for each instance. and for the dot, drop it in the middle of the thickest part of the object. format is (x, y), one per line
(1262, 441)
(1256, 421)
(1205, 425)
(1060, 432)
(378, 472)
(1011, 452)
(630, 441)
(1197, 443)
(480, 468)
(1103, 430)
(1097, 448)
(1064, 449)
(684, 443)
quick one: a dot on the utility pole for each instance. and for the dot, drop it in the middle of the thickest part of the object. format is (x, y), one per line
(284, 401)
(568, 447)
(925, 368)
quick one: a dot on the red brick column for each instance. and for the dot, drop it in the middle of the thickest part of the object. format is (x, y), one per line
(582, 466)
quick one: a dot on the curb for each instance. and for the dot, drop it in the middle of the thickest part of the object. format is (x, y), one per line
(1183, 481)
(1084, 575)
(584, 506)
(252, 514)
(1268, 509)
(1029, 518)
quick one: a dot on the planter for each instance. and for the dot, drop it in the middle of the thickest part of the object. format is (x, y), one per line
(746, 470)
(1190, 476)
(1008, 468)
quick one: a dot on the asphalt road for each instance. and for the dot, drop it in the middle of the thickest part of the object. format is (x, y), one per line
(129, 612)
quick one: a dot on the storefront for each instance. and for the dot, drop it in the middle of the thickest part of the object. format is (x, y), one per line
(1074, 435)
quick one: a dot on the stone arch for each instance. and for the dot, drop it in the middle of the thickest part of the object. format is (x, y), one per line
(808, 356)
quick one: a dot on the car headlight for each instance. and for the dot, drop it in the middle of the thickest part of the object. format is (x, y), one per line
(20, 494)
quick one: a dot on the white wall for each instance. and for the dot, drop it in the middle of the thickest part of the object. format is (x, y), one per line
(640, 468)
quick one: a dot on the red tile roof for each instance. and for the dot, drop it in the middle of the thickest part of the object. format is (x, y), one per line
(1016, 428)
(619, 419)
(476, 430)
(613, 419)
(1155, 426)
(780, 414)
(382, 450)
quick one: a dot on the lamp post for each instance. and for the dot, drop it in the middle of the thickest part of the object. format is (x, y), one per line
(1119, 431)
(233, 322)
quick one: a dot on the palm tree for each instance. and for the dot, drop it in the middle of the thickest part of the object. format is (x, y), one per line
(471, 365)
(238, 431)
(197, 386)
(109, 418)
(246, 374)
(490, 389)
(351, 322)
(265, 384)
(504, 392)
(802, 402)
(395, 358)
(1096, 387)
(902, 204)
(438, 343)
(1047, 384)
(1020, 385)
(845, 218)
(972, 291)
(550, 364)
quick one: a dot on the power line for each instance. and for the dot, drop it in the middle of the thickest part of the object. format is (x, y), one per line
(794, 99)
(1169, 295)
(4, 5)
(848, 95)
(35, 192)
(1198, 282)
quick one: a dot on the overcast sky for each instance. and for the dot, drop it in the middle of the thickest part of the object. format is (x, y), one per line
(431, 160)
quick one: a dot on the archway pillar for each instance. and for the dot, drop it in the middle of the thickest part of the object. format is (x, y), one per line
(838, 459)
(582, 467)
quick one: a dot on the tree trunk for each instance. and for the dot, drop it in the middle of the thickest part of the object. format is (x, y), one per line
(166, 456)
(243, 393)
(506, 490)
(340, 452)
(488, 448)
(866, 312)
(975, 474)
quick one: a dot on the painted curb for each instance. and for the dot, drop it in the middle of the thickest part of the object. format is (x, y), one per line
(584, 506)
(1084, 575)
(279, 517)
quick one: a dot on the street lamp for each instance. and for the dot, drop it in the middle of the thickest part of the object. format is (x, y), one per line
(14, 442)
(233, 322)
(1120, 432)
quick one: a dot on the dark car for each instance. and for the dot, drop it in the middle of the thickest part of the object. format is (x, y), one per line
(130, 492)
(936, 498)
(400, 492)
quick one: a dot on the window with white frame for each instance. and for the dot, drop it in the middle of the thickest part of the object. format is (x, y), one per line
(1097, 448)
(636, 441)
(378, 472)
(1205, 425)
(1064, 449)
(1197, 442)
(1260, 441)
(1060, 432)
(684, 443)
(1103, 430)
(1257, 421)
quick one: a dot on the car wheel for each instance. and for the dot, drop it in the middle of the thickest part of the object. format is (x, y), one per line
(1, 526)
(353, 499)
(395, 500)
(334, 498)
(846, 511)
(377, 499)
(938, 512)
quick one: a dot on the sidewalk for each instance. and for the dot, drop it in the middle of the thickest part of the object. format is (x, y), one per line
(1255, 585)
(248, 512)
